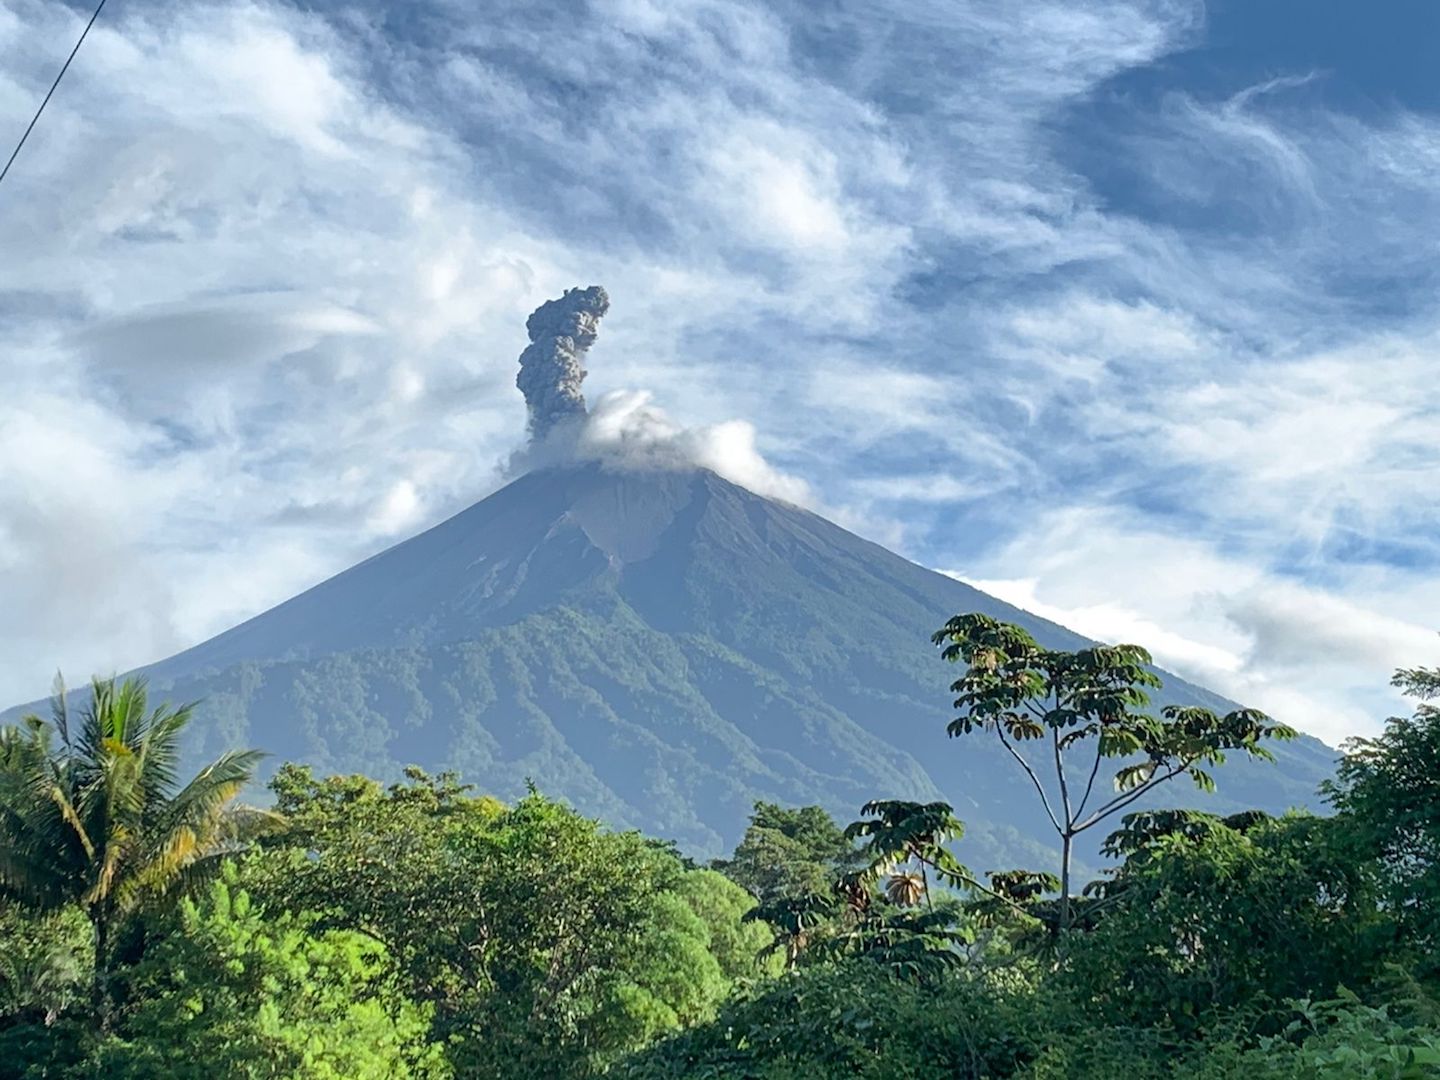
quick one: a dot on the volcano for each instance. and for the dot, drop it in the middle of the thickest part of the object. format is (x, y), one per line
(659, 648)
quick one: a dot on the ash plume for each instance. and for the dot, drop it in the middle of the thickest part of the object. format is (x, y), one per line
(626, 429)
(550, 367)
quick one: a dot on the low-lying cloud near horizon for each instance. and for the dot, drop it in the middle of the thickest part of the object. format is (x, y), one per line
(1139, 337)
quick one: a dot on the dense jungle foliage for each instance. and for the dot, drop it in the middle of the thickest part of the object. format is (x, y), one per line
(152, 925)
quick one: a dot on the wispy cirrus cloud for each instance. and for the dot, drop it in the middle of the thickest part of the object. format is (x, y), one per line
(1038, 294)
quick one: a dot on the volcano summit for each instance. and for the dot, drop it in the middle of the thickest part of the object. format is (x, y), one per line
(659, 646)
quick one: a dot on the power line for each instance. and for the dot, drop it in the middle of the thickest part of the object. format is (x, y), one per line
(36, 117)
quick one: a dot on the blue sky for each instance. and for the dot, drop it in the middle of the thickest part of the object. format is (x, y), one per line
(1124, 310)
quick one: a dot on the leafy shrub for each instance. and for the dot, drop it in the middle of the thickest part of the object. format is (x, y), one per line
(235, 992)
(852, 1020)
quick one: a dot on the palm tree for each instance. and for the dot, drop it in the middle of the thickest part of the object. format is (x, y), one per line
(95, 815)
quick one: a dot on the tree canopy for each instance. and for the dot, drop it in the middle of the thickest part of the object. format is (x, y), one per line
(93, 813)
(151, 925)
(1047, 707)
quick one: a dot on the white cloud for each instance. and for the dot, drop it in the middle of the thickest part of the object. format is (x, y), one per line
(626, 429)
(1290, 626)
(399, 508)
(1342, 434)
(1313, 657)
(268, 269)
(782, 191)
(941, 488)
(1091, 332)
(1110, 621)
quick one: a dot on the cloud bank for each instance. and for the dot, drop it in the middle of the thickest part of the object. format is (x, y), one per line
(1014, 291)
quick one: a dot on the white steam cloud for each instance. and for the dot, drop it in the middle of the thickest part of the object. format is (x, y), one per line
(626, 429)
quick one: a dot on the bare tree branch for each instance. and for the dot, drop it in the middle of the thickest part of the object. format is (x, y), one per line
(1094, 772)
(1045, 799)
(1125, 799)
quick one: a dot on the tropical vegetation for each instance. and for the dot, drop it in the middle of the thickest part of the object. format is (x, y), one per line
(152, 924)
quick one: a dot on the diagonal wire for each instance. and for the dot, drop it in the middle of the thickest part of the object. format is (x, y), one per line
(16, 152)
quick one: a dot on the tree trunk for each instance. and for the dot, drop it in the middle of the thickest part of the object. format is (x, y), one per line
(1065, 842)
(100, 979)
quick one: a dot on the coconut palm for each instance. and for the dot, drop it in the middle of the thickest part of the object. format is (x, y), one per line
(94, 814)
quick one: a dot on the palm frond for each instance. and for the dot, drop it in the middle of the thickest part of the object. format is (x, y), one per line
(212, 787)
(60, 710)
(60, 799)
(97, 819)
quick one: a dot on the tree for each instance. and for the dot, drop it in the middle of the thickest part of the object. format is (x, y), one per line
(903, 842)
(93, 813)
(232, 990)
(788, 852)
(1061, 700)
(910, 943)
(856, 1020)
(794, 920)
(722, 906)
(44, 964)
(900, 833)
(547, 944)
(1388, 790)
(1208, 914)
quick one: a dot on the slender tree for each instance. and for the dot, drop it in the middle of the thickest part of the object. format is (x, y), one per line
(92, 813)
(1061, 701)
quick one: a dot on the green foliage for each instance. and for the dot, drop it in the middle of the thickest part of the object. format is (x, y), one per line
(93, 813)
(231, 991)
(1337, 1039)
(419, 930)
(910, 943)
(45, 962)
(846, 913)
(1340, 1038)
(546, 944)
(735, 941)
(1197, 923)
(1388, 789)
(1141, 831)
(794, 921)
(788, 852)
(589, 945)
(1060, 699)
(852, 1020)
(897, 833)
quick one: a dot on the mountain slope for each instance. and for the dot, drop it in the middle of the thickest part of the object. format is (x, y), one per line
(660, 648)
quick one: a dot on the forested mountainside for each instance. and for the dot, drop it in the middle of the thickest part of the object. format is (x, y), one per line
(659, 648)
